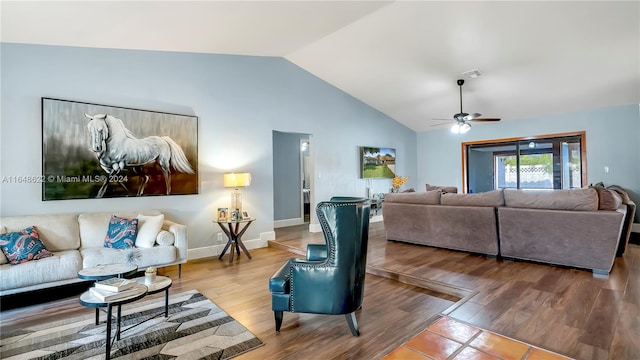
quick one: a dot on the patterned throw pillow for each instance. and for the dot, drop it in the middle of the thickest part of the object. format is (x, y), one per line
(121, 233)
(22, 246)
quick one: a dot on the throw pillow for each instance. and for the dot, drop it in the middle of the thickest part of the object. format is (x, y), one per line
(22, 246)
(121, 233)
(608, 199)
(165, 238)
(3, 259)
(622, 192)
(444, 189)
(148, 229)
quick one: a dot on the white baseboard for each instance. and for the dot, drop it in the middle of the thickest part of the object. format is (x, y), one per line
(287, 222)
(315, 228)
(635, 228)
(376, 218)
(215, 250)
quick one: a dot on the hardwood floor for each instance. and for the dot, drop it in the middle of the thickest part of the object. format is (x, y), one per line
(564, 310)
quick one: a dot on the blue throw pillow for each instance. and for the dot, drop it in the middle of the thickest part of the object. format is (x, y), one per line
(22, 246)
(121, 233)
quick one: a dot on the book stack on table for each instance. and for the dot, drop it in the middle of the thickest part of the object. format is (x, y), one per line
(113, 289)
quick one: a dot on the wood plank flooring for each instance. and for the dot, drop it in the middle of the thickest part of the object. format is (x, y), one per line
(564, 310)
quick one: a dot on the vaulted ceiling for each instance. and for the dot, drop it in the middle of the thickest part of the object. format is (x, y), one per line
(400, 57)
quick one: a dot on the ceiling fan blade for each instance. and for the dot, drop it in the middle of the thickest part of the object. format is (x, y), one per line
(472, 116)
(442, 124)
(485, 119)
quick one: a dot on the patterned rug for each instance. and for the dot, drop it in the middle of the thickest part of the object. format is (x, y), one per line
(195, 329)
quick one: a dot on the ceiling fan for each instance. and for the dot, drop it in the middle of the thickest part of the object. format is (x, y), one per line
(462, 118)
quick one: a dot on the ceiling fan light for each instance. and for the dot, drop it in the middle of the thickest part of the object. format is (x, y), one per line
(464, 128)
(455, 128)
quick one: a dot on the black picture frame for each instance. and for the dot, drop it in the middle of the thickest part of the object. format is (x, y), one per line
(377, 162)
(103, 151)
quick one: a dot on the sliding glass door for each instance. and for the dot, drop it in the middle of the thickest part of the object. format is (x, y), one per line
(534, 163)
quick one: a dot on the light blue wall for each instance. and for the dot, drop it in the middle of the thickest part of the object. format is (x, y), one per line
(239, 100)
(612, 134)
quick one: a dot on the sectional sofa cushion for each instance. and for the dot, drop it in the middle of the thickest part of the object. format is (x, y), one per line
(574, 199)
(493, 198)
(23, 246)
(426, 198)
(443, 189)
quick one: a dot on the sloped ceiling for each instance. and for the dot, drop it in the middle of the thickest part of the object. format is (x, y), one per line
(402, 58)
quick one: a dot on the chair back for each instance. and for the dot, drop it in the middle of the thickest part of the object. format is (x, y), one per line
(345, 225)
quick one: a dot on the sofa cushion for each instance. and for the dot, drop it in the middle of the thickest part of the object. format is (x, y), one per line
(23, 246)
(426, 198)
(443, 189)
(608, 199)
(63, 265)
(148, 228)
(145, 256)
(57, 232)
(574, 199)
(121, 233)
(493, 198)
(165, 238)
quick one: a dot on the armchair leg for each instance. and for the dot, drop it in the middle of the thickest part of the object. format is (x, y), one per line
(353, 324)
(278, 316)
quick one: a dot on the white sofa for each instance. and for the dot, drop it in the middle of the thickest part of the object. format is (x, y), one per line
(76, 241)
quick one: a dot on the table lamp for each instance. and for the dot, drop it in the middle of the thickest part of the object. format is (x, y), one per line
(237, 180)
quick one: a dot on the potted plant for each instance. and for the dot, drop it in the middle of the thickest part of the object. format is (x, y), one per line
(150, 275)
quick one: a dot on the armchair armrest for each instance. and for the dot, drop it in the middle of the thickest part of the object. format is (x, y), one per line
(316, 252)
(279, 282)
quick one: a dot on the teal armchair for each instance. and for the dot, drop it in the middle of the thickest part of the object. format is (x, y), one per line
(331, 279)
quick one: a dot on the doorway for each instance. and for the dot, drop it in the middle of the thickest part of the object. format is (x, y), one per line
(543, 162)
(292, 178)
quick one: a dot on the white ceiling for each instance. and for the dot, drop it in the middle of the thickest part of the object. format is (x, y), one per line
(400, 57)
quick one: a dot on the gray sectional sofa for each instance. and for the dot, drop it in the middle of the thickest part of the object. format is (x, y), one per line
(564, 227)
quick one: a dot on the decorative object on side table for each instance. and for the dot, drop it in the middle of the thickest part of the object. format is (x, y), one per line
(397, 182)
(150, 275)
(236, 181)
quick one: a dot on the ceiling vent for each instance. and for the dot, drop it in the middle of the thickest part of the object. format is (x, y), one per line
(471, 74)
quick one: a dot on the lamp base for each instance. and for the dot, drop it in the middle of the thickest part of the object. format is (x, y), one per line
(236, 204)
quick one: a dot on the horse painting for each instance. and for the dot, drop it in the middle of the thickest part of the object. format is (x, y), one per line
(117, 149)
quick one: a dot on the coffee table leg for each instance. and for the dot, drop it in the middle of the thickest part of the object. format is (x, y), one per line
(108, 344)
(118, 319)
(97, 316)
(166, 303)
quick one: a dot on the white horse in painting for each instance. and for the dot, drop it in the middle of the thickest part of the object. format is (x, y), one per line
(117, 148)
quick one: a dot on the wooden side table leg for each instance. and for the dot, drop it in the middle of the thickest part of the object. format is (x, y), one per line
(97, 316)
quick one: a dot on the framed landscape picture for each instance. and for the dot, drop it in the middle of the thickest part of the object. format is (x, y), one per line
(101, 151)
(377, 162)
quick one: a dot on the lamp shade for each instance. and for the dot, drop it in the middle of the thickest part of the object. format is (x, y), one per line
(236, 180)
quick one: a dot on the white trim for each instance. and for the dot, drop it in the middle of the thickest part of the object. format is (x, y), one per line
(315, 228)
(215, 250)
(375, 218)
(635, 228)
(287, 222)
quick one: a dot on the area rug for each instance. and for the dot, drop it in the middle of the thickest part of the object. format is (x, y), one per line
(195, 329)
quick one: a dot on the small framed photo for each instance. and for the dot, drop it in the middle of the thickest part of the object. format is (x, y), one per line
(245, 215)
(235, 215)
(223, 214)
